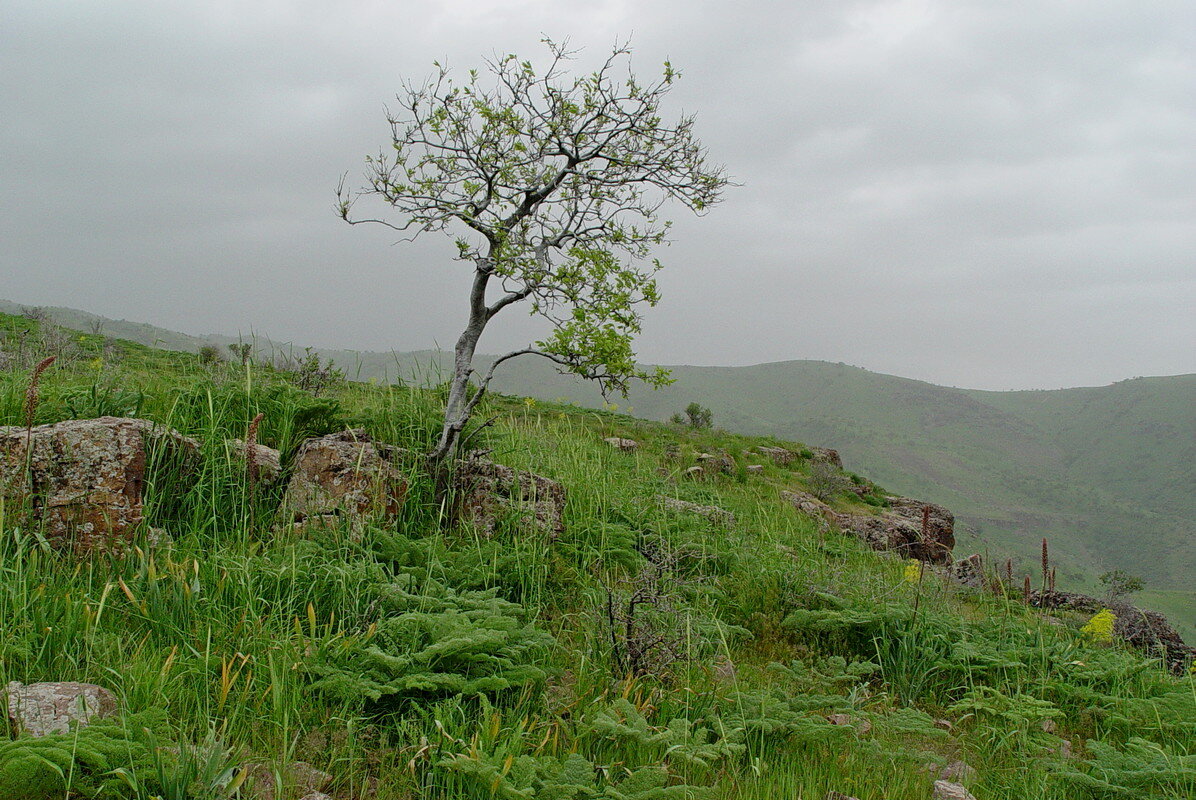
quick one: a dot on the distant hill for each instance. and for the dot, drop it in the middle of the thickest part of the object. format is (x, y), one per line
(1106, 474)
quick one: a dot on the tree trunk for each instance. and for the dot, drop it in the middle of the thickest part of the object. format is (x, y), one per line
(457, 410)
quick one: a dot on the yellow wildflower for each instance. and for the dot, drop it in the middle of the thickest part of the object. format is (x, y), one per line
(913, 571)
(1100, 627)
(530, 402)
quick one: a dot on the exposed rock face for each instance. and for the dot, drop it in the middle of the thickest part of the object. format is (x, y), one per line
(87, 476)
(968, 571)
(265, 461)
(345, 473)
(1145, 630)
(887, 530)
(488, 491)
(940, 523)
(719, 516)
(43, 708)
(625, 445)
(779, 455)
(827, 455)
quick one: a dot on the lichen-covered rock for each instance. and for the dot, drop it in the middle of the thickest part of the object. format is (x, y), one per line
(939, 522)
(624, 445)
(827, 455)
(39, 709)
(779, 455)
(755, 469)
(885, 531)
(487, 492)
(719, 516)
(958, 772)
(264, 462)
(86, 477)
(946, 790)
(345, 473)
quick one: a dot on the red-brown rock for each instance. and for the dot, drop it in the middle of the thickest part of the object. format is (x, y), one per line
(86, 477)
(345, 473)
(487, 491)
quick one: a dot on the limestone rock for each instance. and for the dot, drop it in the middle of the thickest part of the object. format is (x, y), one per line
(755, 469)
(827, 455)
(719, 516)
(316, 796)
(837, 796)
(488, 491)
(695, 472)
(87, 476)
(861, 725)
(266, 460)
(42, 708)
(779, 455)
(345, 473)
(624, 445)
(946, 790)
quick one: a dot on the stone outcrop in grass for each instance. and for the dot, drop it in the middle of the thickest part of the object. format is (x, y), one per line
(345, 473)
(488, 493)
(85, 479)
(39, 709)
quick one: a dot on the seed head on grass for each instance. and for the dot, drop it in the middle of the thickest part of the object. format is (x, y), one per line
(31, 391)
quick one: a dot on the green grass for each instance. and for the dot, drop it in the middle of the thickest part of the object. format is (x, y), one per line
(416, 658)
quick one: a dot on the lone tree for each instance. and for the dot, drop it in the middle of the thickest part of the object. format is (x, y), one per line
(551, 187)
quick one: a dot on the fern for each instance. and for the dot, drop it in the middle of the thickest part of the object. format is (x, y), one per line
(1140, 770)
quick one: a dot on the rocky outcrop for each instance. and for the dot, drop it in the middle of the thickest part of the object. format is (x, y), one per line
(939, 523)
(1144, 630)
(345, 473)
(39, 709)
(301, 778)
(719, 516)
(888, 530)
(827, 456)
(946, 790)
(86, 477)
(488, 492)
(779, 455)
(624, 445)
(968, 571)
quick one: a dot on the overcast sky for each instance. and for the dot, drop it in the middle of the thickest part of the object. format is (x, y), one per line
(982, 193)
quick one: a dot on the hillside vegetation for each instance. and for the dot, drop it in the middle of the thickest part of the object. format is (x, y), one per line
(1106, 474)
(643, 652)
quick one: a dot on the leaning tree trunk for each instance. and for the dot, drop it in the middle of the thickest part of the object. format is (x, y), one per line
(459, 407)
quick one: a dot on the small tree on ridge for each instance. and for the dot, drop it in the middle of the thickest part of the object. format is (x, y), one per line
(551, 188)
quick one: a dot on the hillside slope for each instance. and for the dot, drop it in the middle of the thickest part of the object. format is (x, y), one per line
(1106, 474)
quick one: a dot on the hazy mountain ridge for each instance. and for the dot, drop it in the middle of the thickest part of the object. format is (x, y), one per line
(1105, 473)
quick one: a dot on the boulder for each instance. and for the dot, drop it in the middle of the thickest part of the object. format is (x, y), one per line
(695, 472)
(861, 725)
(755, 469)
(266, 461)
(345, 473)
(779, 455)
(827, 455)
(939, 523)
(946, 790)
(487, 491)
(623, 445)
(87, 477)
(43, 708)
(719, 516)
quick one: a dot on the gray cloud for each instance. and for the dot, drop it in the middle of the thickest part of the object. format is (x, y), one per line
(987, 194)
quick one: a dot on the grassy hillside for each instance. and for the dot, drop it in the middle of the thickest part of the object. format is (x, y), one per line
(415, 658)
(1106, 474)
